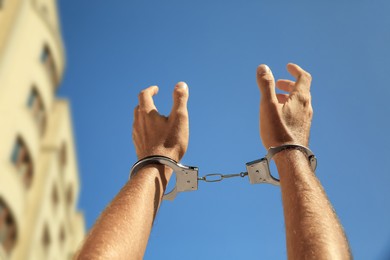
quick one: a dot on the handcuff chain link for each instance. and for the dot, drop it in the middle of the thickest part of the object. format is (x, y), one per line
(217, 177)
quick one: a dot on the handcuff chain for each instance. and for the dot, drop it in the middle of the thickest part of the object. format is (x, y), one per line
(217, 177)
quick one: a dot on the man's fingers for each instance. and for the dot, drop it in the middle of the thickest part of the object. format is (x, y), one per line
(266, 83)
(282, 98)
(135, 121)
(285, 85)
(180, 98)
(136, 110)
(303, 78)
(146, 98)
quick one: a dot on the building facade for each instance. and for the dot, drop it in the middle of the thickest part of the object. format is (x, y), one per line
(39, 182)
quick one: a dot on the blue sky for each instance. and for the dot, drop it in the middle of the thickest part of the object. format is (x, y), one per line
(116, 48)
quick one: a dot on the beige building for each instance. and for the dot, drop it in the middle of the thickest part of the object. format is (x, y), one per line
(39, 182)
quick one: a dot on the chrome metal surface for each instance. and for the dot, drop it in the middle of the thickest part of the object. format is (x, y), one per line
(187, 178)
(216, 177)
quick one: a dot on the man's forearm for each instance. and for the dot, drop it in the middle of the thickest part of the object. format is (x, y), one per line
(123, 229)
(313, 230)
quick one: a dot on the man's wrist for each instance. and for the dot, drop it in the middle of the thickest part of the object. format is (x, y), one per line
(288, 154)
(152, 171)
(288, 160)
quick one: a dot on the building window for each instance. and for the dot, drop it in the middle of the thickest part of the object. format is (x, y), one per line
(45, 55)
(46, 240)
(55, 196)
(8, 232)
(48, 62)
(62, 235)
(22, 161)
(35, 103)
(63, 156)
(69, 195)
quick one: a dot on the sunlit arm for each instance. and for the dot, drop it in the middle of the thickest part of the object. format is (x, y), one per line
(313, 230)
(123, 229)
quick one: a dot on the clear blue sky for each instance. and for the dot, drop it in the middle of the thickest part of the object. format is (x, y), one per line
(116, 48)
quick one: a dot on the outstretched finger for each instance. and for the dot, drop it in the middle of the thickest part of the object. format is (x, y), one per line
(135, 121)
(303, 78)
(136, 110)
(180, 99)
(266, 83)
(285, 85)
(145, 98)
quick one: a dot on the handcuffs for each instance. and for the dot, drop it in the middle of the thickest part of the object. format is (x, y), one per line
(187, 177)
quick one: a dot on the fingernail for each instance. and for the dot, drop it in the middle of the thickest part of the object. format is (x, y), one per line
(181, 85)
(263, 69)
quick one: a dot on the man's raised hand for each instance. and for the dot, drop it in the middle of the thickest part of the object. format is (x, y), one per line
(155, 134)
(285, 118)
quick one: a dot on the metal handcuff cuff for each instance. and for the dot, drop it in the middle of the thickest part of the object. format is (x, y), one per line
(187, 176)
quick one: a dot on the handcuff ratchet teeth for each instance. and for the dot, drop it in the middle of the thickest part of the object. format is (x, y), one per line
(187, 178)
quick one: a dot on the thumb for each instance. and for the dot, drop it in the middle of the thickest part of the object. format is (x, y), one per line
(180, 98)
(266, 83)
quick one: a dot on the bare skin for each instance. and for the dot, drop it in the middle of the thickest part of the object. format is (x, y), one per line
(123, 229)
(313, 230)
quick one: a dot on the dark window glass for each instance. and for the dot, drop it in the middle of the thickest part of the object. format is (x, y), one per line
(69, 195)
(45, 55)
(35, 103)
(48, 61)
(16, 152)
(32, 98)
(63, 156)
(46, 239)
(55, 196)
(62, 235)
(8, 232)
(22, 161)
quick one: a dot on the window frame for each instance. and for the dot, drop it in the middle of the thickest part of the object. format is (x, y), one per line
(22, 161)
(9, 238)
(47, 60)
(37, 108)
